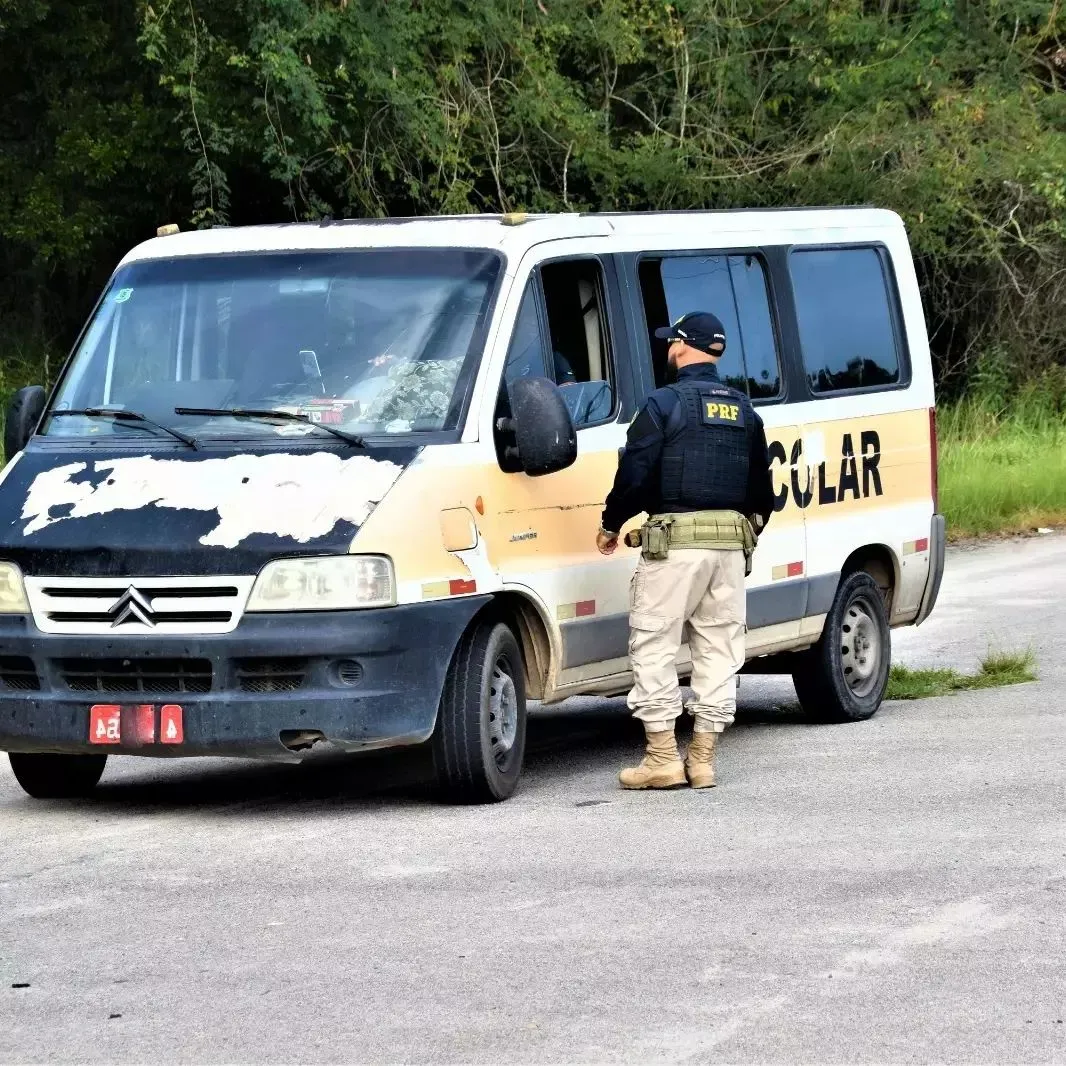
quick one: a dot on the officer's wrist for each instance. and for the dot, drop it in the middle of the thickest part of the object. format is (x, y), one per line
(607, 532)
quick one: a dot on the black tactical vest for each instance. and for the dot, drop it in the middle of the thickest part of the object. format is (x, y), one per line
(705, 453)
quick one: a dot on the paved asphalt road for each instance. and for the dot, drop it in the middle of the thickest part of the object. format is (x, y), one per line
(890, 891)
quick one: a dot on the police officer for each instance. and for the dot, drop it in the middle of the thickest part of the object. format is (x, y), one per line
(696, 462)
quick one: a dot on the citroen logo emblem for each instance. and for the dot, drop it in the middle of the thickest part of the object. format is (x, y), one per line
(131, 606)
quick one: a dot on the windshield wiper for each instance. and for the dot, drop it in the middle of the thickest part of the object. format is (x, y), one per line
(131, 416)
(285, 416)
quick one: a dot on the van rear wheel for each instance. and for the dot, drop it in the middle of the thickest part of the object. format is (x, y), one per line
(843, 678)
(47, 776)
(480, 739)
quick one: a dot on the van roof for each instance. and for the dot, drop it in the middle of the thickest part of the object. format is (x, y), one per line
(512, 234)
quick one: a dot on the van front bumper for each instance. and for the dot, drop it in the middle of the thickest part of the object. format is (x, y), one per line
(359, 679)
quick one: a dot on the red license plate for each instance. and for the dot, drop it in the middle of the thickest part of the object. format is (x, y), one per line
(171, 729)
(105, 724)
(135, 725)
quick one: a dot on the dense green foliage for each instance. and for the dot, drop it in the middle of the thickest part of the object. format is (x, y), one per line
(117, 117)
(1003, 462)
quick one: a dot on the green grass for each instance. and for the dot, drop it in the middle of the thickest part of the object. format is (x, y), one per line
(1003, 471)
(997, 669)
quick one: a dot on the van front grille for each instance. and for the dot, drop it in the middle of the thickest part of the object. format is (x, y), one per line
(271, 675)
(17, 672)
(150, 676)
(163, 605)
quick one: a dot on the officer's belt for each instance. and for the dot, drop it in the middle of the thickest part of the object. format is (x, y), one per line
(725, 530)
(707, 529)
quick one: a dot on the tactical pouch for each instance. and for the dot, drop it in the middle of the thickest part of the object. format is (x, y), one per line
(751, 539)
(655, 537)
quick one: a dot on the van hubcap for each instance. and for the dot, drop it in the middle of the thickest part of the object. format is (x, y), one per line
(860, 649)
(503, 712)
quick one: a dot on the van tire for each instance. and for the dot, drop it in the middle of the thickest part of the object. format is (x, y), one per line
(843, 678)
(480, 738)
(49, 776)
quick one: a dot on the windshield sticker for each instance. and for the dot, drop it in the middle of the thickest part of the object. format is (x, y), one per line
(291, 286)
(329, 410)
(297, 496)
(123, 295)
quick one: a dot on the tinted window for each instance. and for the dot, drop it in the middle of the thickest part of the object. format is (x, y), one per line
(845, 319)
(734, 288)
(755, 325)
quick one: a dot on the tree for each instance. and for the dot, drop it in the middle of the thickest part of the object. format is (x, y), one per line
(949, 111)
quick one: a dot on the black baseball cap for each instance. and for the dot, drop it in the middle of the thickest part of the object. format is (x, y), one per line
(700, 329)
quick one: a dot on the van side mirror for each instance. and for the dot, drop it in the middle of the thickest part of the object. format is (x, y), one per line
(23, 413)
(541, 427)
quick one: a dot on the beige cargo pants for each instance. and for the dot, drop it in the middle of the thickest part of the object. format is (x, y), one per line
(701, 590)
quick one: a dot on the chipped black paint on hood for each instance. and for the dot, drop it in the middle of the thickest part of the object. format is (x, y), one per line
(70, 511)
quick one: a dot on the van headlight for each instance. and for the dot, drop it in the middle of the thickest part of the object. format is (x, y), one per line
(12, 591)
(333, 583)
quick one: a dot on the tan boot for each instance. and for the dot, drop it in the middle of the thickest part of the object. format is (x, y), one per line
(661, 766)
(699, 763)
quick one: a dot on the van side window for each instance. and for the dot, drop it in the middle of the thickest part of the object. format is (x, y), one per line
(525, 356)
(734, 288)
(846, 321)
(579, 338)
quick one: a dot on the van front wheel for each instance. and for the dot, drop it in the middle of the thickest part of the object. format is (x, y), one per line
(47, 776)
(843, 678)
(480, 739)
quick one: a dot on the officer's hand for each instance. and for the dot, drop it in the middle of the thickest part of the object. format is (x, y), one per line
(606, 542)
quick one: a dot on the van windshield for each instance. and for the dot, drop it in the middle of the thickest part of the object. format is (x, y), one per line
(377, 341)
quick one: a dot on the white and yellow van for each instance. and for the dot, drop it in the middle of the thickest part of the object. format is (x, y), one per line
(341, 482)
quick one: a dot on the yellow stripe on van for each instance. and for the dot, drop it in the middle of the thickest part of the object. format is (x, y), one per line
(434, 590)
